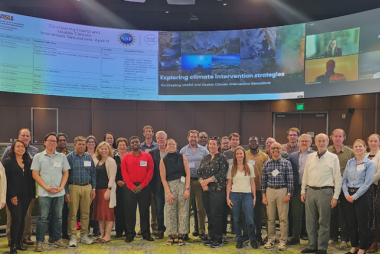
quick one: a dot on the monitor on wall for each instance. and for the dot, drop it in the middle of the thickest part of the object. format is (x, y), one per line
(331, 57)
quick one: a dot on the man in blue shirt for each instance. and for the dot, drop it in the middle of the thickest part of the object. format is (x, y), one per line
(80, 190)
(25, 136)
(194, 154)
(276, 188)
(50, 170)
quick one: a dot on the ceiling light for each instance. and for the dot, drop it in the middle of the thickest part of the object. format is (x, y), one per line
(181, 2)
(135, 1)
(166, 11)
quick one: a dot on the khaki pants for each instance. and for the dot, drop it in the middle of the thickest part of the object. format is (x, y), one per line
(274, 198)
(196, 189)
(28, 222)
(80, 196)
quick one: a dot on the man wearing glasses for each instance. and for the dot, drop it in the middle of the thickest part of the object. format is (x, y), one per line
(298, 161)
(321, 186)
(257, 158)
(50, 170)
(225, 143)
(62, 143)
(276, 189)
(292, 146)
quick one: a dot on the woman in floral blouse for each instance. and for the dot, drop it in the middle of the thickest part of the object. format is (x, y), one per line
(212, 174)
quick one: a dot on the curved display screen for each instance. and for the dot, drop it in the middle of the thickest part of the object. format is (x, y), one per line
(325, 58)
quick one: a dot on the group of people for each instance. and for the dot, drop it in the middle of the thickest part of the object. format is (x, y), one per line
(214, 177)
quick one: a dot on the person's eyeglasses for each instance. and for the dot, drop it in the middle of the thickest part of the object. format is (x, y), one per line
(275, 148)
(225, 143)
(91, 142)
(51, 141)
(171, 144)
(304, 141)
(293, 135)
(253, 141)
(62, 140)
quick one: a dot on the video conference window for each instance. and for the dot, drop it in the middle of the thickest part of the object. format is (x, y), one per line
(370, 38)
(331, 70)
(369, 65)
(333, 44)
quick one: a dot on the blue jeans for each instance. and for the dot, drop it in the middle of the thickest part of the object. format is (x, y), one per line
(55, 204)
(159, 200)
(243, 201)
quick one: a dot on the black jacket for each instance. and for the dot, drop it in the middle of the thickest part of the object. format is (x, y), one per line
(156, 183)
(14, 174)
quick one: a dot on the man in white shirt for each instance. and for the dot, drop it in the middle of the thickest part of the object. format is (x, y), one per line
(321, 186)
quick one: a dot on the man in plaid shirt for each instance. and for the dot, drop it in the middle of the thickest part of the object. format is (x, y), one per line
(80, 190)
(276, 189)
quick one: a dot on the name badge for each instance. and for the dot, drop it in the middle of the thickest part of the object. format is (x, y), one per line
(360, 167)
(87, 163)
(143, 163)
(192, 165)
(252, 162)
(183, 179)
(275, 172)
(57, 164)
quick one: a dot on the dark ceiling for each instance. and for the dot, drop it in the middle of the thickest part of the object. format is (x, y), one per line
(211, 14)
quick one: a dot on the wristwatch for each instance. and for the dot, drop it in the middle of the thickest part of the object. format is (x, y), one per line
(110, 188)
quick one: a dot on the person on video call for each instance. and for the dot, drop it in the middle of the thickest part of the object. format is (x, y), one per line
(332, 49)
(330, 76)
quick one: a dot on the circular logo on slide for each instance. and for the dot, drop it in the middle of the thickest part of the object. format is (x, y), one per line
(150, 39)
(127, 39)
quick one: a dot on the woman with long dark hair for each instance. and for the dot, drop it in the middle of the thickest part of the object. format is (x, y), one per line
(110, 139)
(20, 190)
(212, 175)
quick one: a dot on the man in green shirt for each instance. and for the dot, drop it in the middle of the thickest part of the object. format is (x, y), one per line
(344, 153)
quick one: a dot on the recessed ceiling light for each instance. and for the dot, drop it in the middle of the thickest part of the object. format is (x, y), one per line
(166, 11)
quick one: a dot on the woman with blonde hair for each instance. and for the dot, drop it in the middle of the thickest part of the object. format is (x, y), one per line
(175, 177)
(241, 195)
(105, 198)
(374, 208)
(357, 178)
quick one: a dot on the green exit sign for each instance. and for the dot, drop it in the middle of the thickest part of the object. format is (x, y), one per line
(300, 106)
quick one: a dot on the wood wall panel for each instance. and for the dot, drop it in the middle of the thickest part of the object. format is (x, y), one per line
(178, 124)
(72, 127)
(33, 100)
(212, 122)
(255, 106)
(210, 106)
(24, 116)
(231, 123)
(156, 119)
(122, 123)
(352, 124)
(346, 102)
(66, 102)
(369, 101)
(8, 99)
(181, 106)
(100, 124)
(8, 126)
(151, 105)
(86, 122)
(256, 123)
(368, 123)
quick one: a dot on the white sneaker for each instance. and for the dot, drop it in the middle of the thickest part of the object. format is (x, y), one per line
(86, 240)
(73, 241)
(268, 245)
(281, 246)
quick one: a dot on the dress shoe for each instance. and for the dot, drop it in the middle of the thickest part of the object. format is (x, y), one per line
(149, 238)
(185, 237)
(374, 247)
(239, 244)
(308, 251)
(28, 241)
(20, 246)
(304, 237)
(195, 233)
(293, 241)
(118, 235)
(128, 239)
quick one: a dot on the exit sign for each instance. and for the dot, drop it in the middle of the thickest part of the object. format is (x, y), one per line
(300, 106)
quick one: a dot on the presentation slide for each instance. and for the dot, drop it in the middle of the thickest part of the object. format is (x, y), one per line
(39, 56)
(251, 61)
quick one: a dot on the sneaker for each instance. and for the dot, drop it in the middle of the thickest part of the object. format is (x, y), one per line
(281, 246)
(224, 238)
(39, 247)
(239, 244)
(332, 242)
(86, 240)
(343, 245)
(254, 244)
(73, 241)
(60, 244)
(216, 244)
(268, 245)
(51, 240)
(208, 243)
